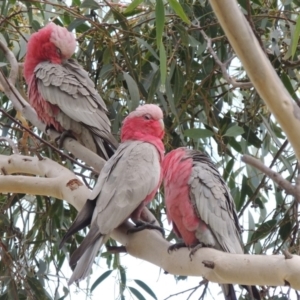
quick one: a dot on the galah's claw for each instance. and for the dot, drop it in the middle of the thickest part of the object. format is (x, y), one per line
(194, 249)
(176, 246)
(61, 138)
(140, 225)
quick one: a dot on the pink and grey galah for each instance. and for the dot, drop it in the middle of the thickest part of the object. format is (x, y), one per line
(62, 93)
(200, 206)
(127, 182)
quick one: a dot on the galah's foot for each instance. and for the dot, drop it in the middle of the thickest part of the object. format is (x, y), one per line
(65, 134)
(176, 247)
(194, 250)
(140, 225)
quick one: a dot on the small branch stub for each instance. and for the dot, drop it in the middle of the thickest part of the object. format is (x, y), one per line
(209, 264)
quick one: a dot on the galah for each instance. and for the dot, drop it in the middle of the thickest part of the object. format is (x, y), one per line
(62, 93)
(199, 205)
(127, 182)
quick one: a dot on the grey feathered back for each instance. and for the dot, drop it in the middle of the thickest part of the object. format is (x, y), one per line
(213, 202)
(84, 112)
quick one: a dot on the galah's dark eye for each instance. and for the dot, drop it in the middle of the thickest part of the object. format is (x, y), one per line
(147, 117)
(58, 51)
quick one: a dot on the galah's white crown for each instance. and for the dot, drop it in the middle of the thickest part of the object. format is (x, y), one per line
(62, 39)
(151, 109)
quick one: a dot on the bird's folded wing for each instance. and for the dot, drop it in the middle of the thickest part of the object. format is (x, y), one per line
(124, 182)
(214, 204)
(69, 87)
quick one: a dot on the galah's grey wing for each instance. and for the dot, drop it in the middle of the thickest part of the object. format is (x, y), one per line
(214, 204)
(69, 87)
(126, 179)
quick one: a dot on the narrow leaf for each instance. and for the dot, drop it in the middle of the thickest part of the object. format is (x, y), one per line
(145, 44)
(295, 38)
(179, 11)
(100, 279)
(136, 293)
(132, 6)
(263, 230)
(145, 287)
(37, 289)
(228, 169)
(163, 63)
(160, 21)
(288, 85)
(133, 91)
(198, 133)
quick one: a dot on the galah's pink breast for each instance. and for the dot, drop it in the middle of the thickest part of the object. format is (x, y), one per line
(45, 110)
(179, 207)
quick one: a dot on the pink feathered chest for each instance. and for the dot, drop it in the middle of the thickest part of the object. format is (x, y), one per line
(44, 109)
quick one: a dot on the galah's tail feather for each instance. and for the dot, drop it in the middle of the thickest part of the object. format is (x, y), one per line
(82, 220)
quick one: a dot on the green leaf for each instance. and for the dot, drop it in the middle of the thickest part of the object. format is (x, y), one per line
(295, 38)
(251, 137)
(90, 4)
(136, 293)
(132, 6)
(198, 133)
(160, 21)
(123, 279)
(100, 279)
(133, 91)
(145, 44)
(288, 85)
(179, 11)
(74, 24)
(37, 289)
(145, 287)
(178, 85)
(285, 229)
(263, 230)
(163, 63)
(251, 226)
(234, 131)
(12, 290)
(228, 169)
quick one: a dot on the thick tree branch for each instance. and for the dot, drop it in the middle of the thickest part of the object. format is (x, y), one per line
(149, 245)
(20, 104)
(55, 180)
(259, 69)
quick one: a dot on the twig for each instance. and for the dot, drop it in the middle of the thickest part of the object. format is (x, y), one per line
(13, 62)
(45, 142)
(276, 177)
(223, 66)
(11, 144)
(262, 183)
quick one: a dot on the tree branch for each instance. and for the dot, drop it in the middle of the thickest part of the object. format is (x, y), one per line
(223, 66)
(149, 245)
(259, 69)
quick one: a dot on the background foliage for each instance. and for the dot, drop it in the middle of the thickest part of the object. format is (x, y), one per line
(155, 52)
